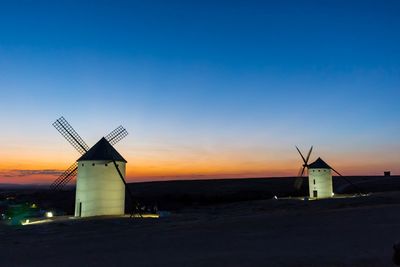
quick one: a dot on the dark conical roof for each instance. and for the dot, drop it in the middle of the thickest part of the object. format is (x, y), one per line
(319, 164)
(102, 150)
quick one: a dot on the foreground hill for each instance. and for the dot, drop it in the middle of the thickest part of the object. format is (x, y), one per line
(357, 232)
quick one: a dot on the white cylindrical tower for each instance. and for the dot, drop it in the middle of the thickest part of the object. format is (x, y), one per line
(320, 179)
(99, 188)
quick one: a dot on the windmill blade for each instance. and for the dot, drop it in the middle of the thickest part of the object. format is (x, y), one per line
(116, 135)
(336, 172)
(65, 177)
(305, 162)
(71, 135)
(299, 173)
(127, 188)
(347, 180)
(298, 182)
(63, 183)
(302, 171)
(308, 156)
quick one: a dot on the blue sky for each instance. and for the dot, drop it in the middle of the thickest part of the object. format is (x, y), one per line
(205, 79)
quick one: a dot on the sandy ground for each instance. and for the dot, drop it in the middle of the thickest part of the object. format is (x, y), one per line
(341, 232)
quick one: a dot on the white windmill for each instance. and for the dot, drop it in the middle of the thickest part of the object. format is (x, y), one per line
(319, 177)
(320, 183)
(100, 187)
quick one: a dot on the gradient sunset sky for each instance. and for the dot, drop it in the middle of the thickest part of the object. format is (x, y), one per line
(206, 89)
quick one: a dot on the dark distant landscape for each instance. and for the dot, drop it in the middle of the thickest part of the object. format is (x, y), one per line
(175, 195)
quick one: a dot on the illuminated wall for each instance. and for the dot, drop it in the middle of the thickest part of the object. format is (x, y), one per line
(320, 183)
(99, 189)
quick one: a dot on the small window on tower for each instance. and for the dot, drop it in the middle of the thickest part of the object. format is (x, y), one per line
(106, 164)
(83, 164)
(314, 181)
(92, 164)
(319, 170)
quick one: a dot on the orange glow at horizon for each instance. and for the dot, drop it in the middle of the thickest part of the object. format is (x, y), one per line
(27, 161)
(25, 166)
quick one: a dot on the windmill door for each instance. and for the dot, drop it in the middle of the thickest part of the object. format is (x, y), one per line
(80, 209)
(315, 193)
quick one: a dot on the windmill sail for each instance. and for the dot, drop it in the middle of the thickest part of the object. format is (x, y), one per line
(65, 177)
(116, 135)
(77, 142)
(298, 182)
(71, 135)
